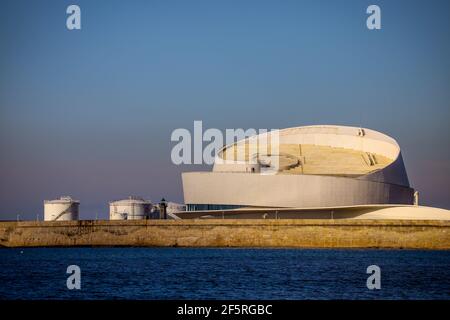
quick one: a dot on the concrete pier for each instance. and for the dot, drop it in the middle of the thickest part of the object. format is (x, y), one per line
(298, 233)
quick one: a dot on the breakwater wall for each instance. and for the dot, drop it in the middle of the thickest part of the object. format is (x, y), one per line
(304, 233)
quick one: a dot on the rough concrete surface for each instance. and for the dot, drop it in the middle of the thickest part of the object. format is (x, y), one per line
(317, 233)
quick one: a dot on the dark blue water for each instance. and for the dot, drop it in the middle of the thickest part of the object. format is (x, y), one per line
(172, 273)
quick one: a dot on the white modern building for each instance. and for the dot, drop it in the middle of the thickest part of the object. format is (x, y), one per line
(303, 167)
(173, 207)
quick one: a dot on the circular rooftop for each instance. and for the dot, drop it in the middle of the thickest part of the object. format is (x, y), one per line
(312, 150)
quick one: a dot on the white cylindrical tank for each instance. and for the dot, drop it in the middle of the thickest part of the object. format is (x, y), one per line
(133, 208)
(62, 209)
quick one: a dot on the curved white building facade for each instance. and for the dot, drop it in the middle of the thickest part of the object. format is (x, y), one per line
(307, 167)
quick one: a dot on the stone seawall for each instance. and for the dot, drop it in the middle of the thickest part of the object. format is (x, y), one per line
(345, 233)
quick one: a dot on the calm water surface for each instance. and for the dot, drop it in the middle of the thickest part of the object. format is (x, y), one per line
(173, 273)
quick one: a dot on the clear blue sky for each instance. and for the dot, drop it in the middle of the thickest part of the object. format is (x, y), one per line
(89, 113)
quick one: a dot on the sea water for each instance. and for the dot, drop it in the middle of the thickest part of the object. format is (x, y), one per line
(194, 273)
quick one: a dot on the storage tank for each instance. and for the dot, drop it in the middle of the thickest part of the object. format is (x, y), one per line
(62, 209)
(133, 208)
